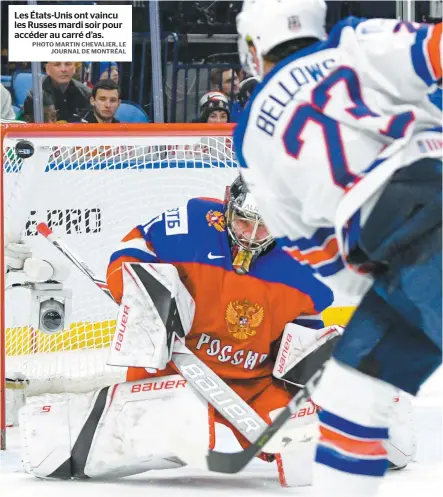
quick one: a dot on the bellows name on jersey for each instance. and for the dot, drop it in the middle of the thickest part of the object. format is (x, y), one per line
(283, 89)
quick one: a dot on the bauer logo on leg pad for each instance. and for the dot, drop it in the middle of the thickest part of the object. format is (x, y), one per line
(159, 385)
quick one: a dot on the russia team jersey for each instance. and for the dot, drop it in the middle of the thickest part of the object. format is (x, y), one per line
(329, 126)
(238, 318)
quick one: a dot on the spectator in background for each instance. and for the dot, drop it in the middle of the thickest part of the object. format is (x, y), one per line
(78, 71)
(106, 70)
(7, 112)
(227, 81)
(49, 111)
(109, 70)
(105, 100)
(214, 108)
(247, 86)
(71, 98)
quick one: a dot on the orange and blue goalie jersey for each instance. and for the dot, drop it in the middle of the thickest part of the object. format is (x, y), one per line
(238, 318)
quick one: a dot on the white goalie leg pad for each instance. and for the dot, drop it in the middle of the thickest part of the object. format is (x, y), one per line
(299, 436)
(118, 431)
(155, 315)
(402, 444)
(16, 385)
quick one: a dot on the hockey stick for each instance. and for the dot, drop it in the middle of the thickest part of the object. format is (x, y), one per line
(209, 385)
(220, 462)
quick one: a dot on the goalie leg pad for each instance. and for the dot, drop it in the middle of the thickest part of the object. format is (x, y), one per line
(16, 384)
(402, 444)
(120, 430)
(300, 433)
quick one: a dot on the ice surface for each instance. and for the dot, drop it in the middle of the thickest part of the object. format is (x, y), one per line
(422, 478)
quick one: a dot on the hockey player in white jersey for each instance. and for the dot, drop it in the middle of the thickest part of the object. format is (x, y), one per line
(342, 148)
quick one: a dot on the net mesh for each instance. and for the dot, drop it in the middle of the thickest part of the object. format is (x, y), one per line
(91, 191)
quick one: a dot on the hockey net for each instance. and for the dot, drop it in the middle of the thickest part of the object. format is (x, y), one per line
(91, 184)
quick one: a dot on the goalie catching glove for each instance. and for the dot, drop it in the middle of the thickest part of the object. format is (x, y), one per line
(155, 315)
(303, 351)
(18, 259)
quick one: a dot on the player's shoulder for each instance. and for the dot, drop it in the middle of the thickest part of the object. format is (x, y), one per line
(189, 219)
(180, 232)
(197, 205)
(279, 267)
(348, 24)
(204, 213)
(370, 29)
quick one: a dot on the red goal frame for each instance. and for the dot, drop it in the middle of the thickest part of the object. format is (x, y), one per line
(27, 131)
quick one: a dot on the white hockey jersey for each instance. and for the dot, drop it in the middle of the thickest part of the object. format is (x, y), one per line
(329, 126)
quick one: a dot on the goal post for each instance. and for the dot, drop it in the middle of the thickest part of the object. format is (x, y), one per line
(91, 183)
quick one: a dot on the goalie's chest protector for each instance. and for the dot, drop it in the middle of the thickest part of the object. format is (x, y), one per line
(237, 316)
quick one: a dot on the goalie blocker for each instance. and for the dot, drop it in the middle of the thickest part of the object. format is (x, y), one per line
(155, 315)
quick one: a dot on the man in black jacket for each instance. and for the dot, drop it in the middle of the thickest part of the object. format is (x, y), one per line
(105, 100)
(71, 98)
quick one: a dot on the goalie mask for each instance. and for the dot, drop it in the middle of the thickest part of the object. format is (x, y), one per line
(248, 236)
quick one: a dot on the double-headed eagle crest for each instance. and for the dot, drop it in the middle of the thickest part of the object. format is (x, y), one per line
(216, 219)
(242, 318)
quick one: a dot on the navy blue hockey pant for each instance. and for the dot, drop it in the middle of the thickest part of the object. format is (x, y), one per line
(396, 332)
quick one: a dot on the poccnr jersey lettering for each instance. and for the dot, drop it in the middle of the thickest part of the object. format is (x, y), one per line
(238, 318)
(315, 140)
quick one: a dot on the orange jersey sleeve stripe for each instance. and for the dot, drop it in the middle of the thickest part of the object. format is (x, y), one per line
(434, 50)
(134, 234)
(317, 256)
(358, 447)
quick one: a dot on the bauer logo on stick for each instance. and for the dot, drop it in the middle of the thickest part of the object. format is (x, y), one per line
(24, 149)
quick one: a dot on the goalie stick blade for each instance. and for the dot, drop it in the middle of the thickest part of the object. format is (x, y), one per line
(222, 462)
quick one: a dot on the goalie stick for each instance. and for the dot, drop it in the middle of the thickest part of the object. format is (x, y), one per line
(220, 462)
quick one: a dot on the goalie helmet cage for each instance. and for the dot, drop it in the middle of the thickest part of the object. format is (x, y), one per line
(92, 183)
